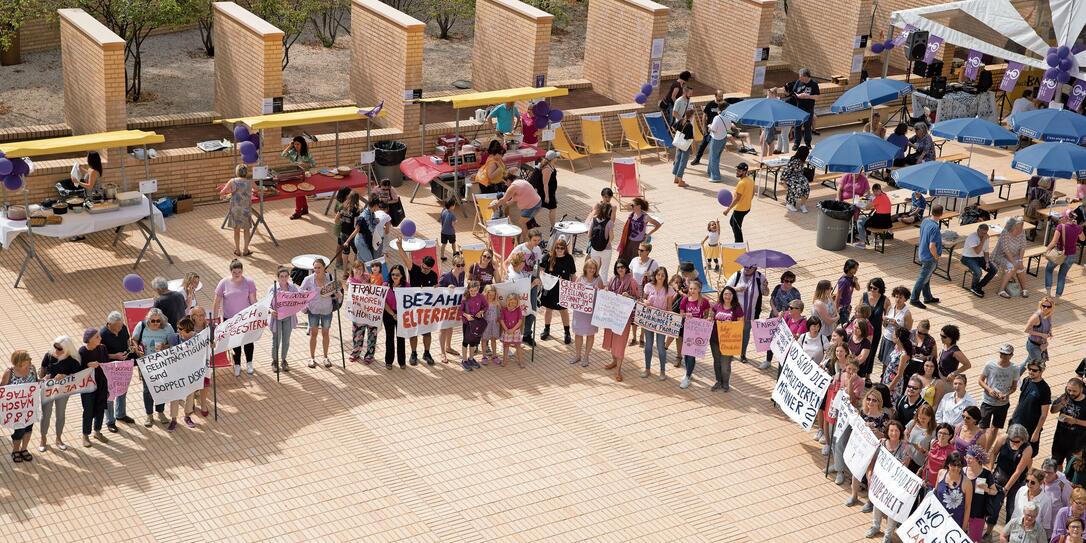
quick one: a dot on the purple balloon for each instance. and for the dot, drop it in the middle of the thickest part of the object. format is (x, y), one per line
(19, 167)
(6, 166)
(13, 182)
(1066, 64)
(247, 147)
(646, 89)
(133, 283)
(1051, 73)
(255, 139)
(1063, 52)
(407, 228)
(541, 109)
(641, 98)
(247, 158)
(877, 48)
(2, 155)
(241, 133)
(889, 44)
(1052, 60)
(556, 116)
(724, 197)
(1063, 77)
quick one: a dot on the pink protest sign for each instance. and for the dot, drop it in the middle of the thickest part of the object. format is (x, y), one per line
(118, 377)
(696, 333)
(762, 331)
(290, 303)
(20, 405)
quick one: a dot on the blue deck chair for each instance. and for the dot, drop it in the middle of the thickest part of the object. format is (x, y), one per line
(691, 252)
(659, 132)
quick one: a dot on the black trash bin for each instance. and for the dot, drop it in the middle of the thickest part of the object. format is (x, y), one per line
(834, 221)
(387, 159)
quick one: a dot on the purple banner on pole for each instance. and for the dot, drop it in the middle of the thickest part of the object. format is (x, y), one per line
(934, 43)
(900, 38)
(972, 65)
(1048, 90)
(1078, 93)
(1010, 77)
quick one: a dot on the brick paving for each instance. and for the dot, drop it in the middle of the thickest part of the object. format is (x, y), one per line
(549, 453)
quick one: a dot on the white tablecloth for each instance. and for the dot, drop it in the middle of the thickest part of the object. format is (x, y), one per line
(81, 224)
(957, 105)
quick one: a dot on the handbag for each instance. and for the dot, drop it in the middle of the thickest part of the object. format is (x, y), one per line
(680, 142)
(1055, 255)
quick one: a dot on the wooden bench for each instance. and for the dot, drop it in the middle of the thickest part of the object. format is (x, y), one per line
(993, 208)
(831, 178)
(1033, 257)
(956, 158)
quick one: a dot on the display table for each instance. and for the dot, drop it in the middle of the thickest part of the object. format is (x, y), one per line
(427, 169)
(81, 224)
(957, 105)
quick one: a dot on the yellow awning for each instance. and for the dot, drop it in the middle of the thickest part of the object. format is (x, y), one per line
(76, 144)
(490, 98)
(298, 118)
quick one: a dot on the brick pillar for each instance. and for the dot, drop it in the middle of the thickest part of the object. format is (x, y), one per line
(248, 65)
(93, 62)
(386, 61)
(618, 45)
(512, 45)
(729, 65)
(827, 49)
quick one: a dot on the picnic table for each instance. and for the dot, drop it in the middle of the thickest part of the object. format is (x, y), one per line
(771, 165)
(427, 169)
(995, 229)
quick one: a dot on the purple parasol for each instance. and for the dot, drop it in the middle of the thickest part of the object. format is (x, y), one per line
(765, 258)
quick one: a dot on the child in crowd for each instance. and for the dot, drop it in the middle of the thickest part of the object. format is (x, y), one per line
(448, 228)
(473, 312)
(512, 323)
(489, 340)
(712, 240)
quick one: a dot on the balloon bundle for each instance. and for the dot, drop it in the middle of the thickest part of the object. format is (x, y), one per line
(1061, 60)
(643, 96)
(884, 46)
(248, 144)
(13, 170)
(542, 111)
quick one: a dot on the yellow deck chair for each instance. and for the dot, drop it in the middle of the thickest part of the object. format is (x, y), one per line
(631, 132)
(483, 213)
(698, 134)
(567, 149)
(592, 134)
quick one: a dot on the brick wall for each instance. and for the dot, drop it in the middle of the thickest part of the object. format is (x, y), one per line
(44, 34)
(512, 45)
(728, 64)
(618, 45)
(248, 60)
(93, 62)
(811, 40)
(386, 60)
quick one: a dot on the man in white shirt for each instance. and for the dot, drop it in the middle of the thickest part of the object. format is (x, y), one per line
(1024, 103)
(380, 232)
(682, 104)
(975, 256)
(953, 404)
(718, 137)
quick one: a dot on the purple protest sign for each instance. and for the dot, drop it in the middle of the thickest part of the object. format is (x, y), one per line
(972, 65)
(1010, 77)
(1048, 89)
(1078, 93)
(933, 47)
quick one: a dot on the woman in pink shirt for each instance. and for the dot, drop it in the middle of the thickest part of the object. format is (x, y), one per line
(726, 309)
(659, 295)
(232, 295)
(522, 194)
(852, 185)
(693, 305)
(622, 284)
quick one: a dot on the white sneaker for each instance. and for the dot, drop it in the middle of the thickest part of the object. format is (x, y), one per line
(249, 368)
(790, 207)
(327, 363)
(237, 370)
(685, 382)
(803, 209)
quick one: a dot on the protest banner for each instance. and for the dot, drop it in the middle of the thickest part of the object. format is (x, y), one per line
(548, 280)
(844, 415)
(290, 303)
(658, 321)
(782, 338)
(892, 488)
(612, 311)
(20, 405)
(118, 377)
(696, 334)
(365, 303)
(800, 387)
(136, 310)
(931, 523)
(176, 372)
(425, 310)
(729, 336)
(244, 327)
(861, 448)
(76, 383)
(762, 331)
(576, 296)
(521, 288)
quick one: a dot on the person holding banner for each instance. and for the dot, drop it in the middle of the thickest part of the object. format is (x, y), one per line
(692, 305)
(483, 271)
(91, 355)
(63, 361)
(152, 335)
(781, 304)
(199, 324)
(660, 295)
(320, 309)
(282, 328)
(120, 346)
(622, 284)
(21, 372)
(845, 382)
(750, 286)
(512, 323)
(360, 332)
(584, 333)
(533, 255)
(473, 312)
(394, 346)
(558, 262)
(726, 309)
(876, 418)
(420, 276)
(489, 341)
(185, 332)
(811, 339)
(452, 278)
(895, 445)
(232, 295)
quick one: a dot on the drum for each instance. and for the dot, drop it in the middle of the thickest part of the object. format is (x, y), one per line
(409, 244)
(571, 229)
(503, 237)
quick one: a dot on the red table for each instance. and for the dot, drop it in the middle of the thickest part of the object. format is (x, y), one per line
(424, 169)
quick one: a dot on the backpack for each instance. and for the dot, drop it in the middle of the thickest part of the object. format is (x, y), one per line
(974, 214)
(598, 237)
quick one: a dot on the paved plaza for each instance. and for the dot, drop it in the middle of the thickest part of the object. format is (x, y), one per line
(552, 452)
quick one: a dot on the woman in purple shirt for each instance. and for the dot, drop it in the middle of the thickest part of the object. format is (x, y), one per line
(232, 295)
(846, 285)
(473, 314)
(394, 346)
(726, 309)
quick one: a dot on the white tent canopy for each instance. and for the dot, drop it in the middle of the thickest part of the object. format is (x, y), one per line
(1014, 30)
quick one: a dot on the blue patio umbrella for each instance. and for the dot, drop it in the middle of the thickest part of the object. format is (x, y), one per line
(765, 113)
(871, 93)
(851, 153)
(943, 179)
(974, 131)
(1050, 125)
(1062, 160)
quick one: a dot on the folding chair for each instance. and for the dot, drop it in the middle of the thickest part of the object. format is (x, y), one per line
(729, 253)
(625, 180)
(692, 253)
(472, 253)
(483, 213)
(429, 250)
(659, 131)
(567, 149)
(631, 132)
(595, 142)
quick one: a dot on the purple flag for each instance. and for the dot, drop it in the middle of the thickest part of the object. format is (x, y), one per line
(933, 47)
(1078, 93)
(1010, 77)
(900, 38)
(972, 65)
(1048, 90)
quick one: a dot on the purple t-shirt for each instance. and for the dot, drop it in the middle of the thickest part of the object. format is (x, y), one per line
(696, 309)
(1069, 233)
(235, 298)
(844, 286)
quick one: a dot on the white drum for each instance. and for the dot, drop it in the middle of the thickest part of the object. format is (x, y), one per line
(409, 244)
